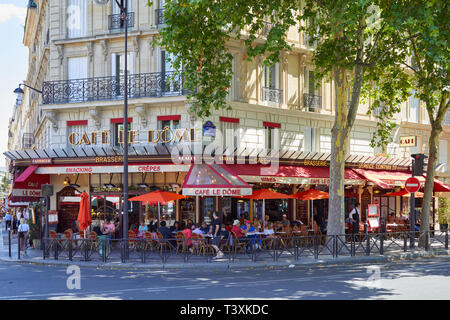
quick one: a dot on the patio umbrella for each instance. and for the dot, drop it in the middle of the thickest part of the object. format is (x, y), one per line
(158, 197)
(311, 194)
(404, 193)
(263, 194)
(84, 216)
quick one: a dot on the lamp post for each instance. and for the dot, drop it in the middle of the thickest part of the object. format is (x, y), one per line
(124, 15)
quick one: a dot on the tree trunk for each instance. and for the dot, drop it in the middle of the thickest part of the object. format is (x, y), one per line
(339, 138)
(429, 184)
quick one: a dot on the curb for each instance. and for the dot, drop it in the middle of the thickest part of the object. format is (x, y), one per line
(221, 266)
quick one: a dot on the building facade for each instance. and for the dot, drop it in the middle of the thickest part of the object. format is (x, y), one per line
(77, 60)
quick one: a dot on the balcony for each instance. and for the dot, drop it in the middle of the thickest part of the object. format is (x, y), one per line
(272, 95)
(27, 140)
(312, 102)
(157, 84)
(115, 21)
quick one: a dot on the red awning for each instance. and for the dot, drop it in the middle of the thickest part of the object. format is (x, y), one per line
(27, 187)
(390, 179)
(213, 180)
(28, 172)
(290, 174)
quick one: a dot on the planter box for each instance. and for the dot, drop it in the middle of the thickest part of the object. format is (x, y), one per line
(37, 244)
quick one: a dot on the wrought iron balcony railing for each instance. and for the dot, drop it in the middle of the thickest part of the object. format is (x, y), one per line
(272, 95)
(115, 21)
(312, 102)
(27, 140)
(159, 17)
(157, 84)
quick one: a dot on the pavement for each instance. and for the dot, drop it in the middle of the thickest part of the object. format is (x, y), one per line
(34, 256)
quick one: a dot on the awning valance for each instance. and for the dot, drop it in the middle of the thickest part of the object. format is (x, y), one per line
(290, 174)
(391, 179)
(213, 180)
(27, 187)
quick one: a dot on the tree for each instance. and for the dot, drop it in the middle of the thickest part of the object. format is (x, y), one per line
(353, 47)
(429, 71)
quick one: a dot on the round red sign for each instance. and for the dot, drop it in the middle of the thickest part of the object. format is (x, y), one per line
(412, 185)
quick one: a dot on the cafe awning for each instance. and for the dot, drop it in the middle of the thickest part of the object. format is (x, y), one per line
(213, 180)
(391, 179)
(27, 187)
(257, 173)
(28, 172)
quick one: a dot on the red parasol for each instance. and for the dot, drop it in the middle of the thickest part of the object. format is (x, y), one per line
(84, 216)
(311, 194)
(404, 193)
(158, 197)
(263, 194)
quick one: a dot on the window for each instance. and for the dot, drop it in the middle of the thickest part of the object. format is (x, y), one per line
(76, 18)
(443, 155)
(233, 91)
(75, 130)
(413, 107)
(167, 135)
(118, 71)
(272, 135)
(310, 139)
(117, 137)
(77, 68)
(312, 96)
(170, 81)
(271, 80)
(230, 134)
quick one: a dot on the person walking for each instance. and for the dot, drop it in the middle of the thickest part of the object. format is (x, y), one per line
(8, 219)
(216, 235)
(23, 230)
(355, 217)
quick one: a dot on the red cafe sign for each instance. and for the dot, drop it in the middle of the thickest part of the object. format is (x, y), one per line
(212, 192)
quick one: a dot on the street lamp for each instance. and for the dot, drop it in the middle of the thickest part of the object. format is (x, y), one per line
(124, 16)
(19, 92)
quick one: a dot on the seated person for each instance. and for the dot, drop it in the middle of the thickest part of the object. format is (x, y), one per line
(197, 229)
(284, 221)
(176, 227)
(204, 228)
(108, 229)
(268, 231)
(236, 228)
(142, 229)
(323, 226)
(165, 232)
(224, 234)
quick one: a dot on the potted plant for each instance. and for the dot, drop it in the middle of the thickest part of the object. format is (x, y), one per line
(35, 229)
(444, 213)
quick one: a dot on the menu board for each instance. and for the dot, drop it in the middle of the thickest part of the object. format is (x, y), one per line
(373, 210)
(374, 223)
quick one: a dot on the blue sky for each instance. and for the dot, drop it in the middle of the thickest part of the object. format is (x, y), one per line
(13, 62)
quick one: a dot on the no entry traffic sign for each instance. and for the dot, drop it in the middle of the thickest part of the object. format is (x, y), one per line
(412, 185)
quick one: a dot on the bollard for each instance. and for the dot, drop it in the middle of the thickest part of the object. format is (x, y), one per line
(56, 249)
(368, 245)
(9, 241)
(405, 242)
(382, 243)
(446, 239)
(70, 249)
(18, 247)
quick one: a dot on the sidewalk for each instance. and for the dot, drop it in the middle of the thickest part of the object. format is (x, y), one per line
(35, 257)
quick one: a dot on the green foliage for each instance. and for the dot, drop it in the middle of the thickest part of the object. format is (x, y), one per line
(35, 229)
(444, 211)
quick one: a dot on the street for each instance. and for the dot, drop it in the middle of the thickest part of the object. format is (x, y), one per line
(415, 279)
